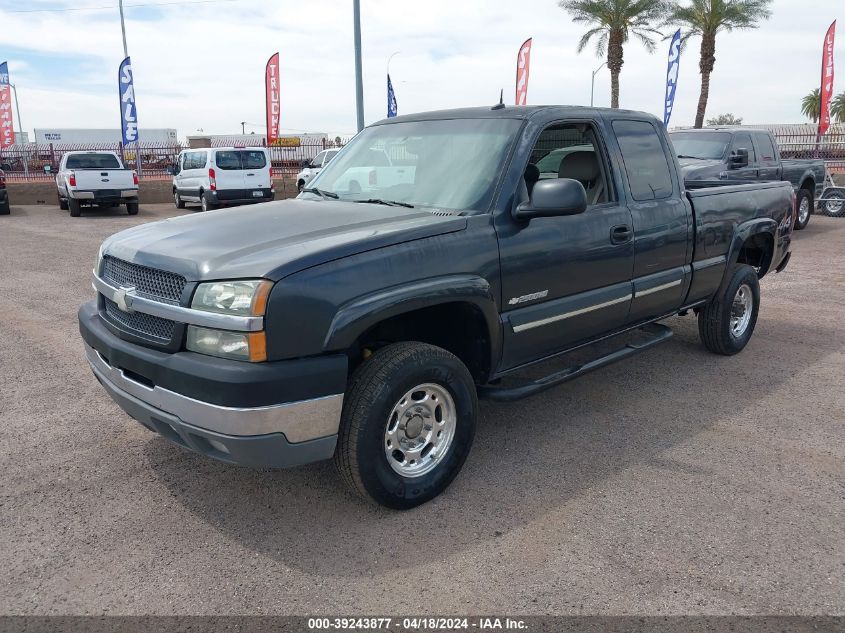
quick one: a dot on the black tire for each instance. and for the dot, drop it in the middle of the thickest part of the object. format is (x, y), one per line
(177, 199)
(74, 207)
(300, 185)
(207, 203)
(714, 319)
(803, 197)
(132, 208)
(834, 205)
(62, 203)
(5, 209)
(374, 390)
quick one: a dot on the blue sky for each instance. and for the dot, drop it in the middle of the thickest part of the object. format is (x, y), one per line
(201, 65)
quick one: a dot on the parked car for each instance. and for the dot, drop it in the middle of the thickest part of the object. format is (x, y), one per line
(311, 168)
(222, 176)
(363, 324)
(5, 209)
(742, 154)
(89, 179)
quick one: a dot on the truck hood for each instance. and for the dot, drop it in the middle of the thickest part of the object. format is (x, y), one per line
(274, 239)
(700, 169)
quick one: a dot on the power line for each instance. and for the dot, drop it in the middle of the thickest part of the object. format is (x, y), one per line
(114, 6)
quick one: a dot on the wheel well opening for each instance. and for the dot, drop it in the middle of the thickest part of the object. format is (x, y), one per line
(757, 251)
(809, 185)
(459, 328)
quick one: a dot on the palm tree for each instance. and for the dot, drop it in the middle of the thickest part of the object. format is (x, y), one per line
(612, 22)
(837, 108)
(707, 18)
(811, 106)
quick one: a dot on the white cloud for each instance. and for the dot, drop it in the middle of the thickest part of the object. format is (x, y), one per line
(201, 66)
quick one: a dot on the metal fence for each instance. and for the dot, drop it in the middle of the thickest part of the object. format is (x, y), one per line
(40, 161)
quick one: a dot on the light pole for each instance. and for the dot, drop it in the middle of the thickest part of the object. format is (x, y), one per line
(359, 79)
(20, 130)
(593, 82)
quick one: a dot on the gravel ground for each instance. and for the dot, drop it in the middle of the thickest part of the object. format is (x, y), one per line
(677, 482)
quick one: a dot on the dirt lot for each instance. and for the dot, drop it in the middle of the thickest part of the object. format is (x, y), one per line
(677, 482)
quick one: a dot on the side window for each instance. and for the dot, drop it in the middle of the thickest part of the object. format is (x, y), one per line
(569, 150)
(318, 160)
(330, 155)
(645, 160)
(766, 147)
(743, 141)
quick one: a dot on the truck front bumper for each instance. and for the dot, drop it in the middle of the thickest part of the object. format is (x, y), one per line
(268, 435)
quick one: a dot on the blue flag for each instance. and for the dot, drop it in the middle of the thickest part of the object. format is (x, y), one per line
(128, 112)
(392, 106)
(672, 76)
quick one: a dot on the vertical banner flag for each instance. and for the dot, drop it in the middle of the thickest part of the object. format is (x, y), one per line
(523, 65)
(128, 111)
(273, 95)
(672, 76)
(826, 92)
(7, 128)
(392, 106)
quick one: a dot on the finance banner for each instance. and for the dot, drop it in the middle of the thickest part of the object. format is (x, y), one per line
(7, 127)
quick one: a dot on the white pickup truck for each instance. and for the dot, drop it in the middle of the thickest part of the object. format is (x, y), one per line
(95, 179)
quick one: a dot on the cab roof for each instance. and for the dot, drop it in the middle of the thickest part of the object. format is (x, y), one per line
(511, 112)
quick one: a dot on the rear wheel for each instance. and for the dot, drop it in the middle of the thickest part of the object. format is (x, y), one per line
(727, 322)
(177, 200)
(407, 426)
(206, 203)
(62, 203)
(132, 208)
(803, 208)
(5, 209)
(75, 208)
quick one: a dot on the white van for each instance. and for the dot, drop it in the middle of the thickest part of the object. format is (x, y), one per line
(311, 168)
(222, 176)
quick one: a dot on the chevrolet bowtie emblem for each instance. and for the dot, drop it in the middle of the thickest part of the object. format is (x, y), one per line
(123, 298)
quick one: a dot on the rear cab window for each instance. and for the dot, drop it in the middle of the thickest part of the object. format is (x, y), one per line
(646, 167)
(92, 161)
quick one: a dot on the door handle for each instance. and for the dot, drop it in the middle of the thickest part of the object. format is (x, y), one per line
(620, 234)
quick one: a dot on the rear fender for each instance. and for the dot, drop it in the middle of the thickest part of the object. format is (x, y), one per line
(746, 231)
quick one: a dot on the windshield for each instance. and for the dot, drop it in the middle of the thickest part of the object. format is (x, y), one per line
(450, 164)
(92, 161)
(703, 145)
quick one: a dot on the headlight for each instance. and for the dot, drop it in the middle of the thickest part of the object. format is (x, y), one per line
(241, 298)
(249, 346)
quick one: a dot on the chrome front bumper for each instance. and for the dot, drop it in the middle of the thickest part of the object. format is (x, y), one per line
(297, 421)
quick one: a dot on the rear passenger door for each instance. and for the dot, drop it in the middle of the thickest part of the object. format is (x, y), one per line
(228, 170)
(256, 169)
(662, 220)
(767, 159)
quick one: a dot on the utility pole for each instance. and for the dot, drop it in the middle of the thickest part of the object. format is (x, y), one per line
(593, 82)
(359, 79)
(243, 128)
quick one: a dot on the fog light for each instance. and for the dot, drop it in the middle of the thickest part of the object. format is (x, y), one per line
(218, 446)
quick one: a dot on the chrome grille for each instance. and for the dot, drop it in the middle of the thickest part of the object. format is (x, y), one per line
(140, 323)
(148, 282)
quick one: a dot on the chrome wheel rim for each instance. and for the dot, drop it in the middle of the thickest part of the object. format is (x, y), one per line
(420, 430)
(741, 310)
(803, 210)
(834, 207)
(203, 204)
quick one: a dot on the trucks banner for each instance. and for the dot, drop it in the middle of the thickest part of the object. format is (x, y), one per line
(128, 111)
(523, 66)
(271, 86)
(672, 76)
(827, 79)
(7, 129)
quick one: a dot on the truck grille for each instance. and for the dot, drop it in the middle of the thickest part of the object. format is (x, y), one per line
(140, 323)
(149, 282)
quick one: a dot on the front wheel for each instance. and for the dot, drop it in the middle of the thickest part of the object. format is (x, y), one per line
(803, 207)
(407, 426)
(726, 323)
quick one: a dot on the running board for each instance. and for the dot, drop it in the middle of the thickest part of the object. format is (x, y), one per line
(657, 334)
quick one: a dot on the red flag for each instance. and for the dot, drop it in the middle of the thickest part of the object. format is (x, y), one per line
(826, 92)
(523, 65)
(7, 129)
(271, 86)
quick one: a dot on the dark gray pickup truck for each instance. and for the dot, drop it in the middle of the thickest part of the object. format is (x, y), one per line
(362, 320)
(740, 154)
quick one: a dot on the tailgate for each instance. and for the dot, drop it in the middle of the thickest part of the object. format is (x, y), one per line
(94, 179)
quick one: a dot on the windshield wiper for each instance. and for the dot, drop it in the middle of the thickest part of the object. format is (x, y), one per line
(325, 195)
(390, 203)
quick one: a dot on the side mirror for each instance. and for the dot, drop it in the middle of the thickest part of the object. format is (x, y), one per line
(305, 164)
(553, 197)
(739, 158)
